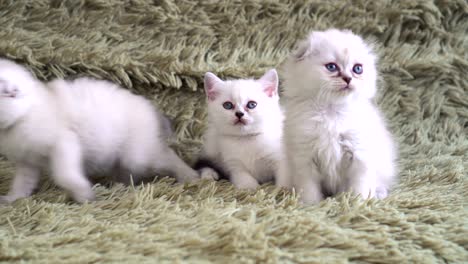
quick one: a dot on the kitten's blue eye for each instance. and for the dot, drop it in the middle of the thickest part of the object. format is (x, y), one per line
(251, 104)
(332, 67)
(228, 105)
(357, 68)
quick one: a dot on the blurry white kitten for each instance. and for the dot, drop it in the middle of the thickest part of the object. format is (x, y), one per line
(335, 137)
(244, 130)
(78, 127)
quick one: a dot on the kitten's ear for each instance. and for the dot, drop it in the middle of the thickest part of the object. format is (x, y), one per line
(269, 82)
(211, 83)
(302, 50)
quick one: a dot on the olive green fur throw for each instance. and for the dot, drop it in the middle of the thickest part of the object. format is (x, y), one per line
(161, 49)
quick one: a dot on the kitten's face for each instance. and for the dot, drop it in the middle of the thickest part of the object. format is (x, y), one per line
(334, 66)
(241, 107)
(16, 88)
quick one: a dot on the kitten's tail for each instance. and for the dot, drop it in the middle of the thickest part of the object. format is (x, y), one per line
(202, 163)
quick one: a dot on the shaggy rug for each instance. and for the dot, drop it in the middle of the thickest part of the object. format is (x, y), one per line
(161, 49)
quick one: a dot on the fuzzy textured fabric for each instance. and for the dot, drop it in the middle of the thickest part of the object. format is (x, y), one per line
(161, 49)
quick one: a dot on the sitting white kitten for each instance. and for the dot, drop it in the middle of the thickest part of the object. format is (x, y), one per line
(244, 130)
(335, 137)
(78, 127)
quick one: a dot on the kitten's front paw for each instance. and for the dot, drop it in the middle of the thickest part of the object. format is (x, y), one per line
(209, 174)
(85, 196)
(367, 193)
(310, 197)
(381, 192)
(189, 176)
(248, 183)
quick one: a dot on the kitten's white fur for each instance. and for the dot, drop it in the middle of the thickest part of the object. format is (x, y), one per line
(78, 127)
(335, 138)
(248, 153)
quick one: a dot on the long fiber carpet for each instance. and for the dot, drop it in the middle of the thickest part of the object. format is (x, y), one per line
(161, 49)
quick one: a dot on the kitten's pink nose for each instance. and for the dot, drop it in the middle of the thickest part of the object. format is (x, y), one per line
(347, 79)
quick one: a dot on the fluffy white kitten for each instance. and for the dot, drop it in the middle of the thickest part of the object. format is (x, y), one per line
(244, 130)
(76, 128)
(335, 137)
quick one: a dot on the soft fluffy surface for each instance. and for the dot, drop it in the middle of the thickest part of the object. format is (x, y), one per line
(162, 48)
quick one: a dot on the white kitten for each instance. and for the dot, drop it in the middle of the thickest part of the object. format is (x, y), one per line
(335, 137)
(244, 129)
(78, 127)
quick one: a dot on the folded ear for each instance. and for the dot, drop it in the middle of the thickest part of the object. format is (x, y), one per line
(212, 83)
(302, 50)
(307, 47)
(269, 82)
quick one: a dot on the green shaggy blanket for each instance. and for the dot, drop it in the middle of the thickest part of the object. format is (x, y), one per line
(161, 49)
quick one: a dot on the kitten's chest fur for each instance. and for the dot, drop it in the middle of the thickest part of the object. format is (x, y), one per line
(21, 143)
(337, 144)
(259, 154)
(334, 143)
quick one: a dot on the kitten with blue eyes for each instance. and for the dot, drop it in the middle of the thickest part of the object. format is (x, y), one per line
(243, 137)
(335, 137)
